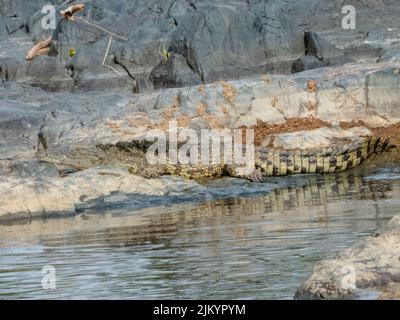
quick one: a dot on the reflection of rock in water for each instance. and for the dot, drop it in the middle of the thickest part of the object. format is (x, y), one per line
(241, 247)
(160, 225)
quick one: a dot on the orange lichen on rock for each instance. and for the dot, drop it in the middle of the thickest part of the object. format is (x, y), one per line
(169, 112)
(312, 86)
(213, 121)
(140, 122)
(113, 125)
(262, 130)
(266, 78)
(168, 115)
(274, 101)
(229, 91)
(391, 132)
(183, 121)
(201, 109)
(225, 111)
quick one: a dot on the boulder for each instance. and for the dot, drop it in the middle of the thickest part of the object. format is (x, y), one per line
(368, 267)
(36, 194)
(317, 46)
(174, 73)
(383, 93)
(307, 62)
(211, 41)
(392, 55)
(340, 95)
(19, 126)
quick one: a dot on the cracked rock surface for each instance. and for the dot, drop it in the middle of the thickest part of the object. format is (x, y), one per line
(205, 40)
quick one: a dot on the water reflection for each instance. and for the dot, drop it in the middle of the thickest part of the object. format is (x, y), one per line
(240, 247)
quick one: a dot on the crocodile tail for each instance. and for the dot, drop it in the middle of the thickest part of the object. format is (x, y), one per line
(350, 156)
(281, 163)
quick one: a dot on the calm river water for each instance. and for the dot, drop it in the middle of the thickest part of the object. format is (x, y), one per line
(244, 246)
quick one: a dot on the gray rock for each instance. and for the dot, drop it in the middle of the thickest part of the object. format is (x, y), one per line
(34, 169)
(383, 93)
(223, 40)
(78, 100)
(317, 46)
(392, 55)
(307, 62)
(343, 93)
(47, 73)
(36, 194)
(21, 8)
(174, 73)
(19, 126)
(11, 27)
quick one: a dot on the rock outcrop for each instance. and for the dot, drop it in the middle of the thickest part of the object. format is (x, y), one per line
(367, 92)
(209, 40)
(35, 190)
(369, 268)
(224, 64)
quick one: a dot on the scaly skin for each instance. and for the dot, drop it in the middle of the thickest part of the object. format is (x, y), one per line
(268, 162)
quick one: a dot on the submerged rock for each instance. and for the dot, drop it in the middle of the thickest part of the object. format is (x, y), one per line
(372, 265)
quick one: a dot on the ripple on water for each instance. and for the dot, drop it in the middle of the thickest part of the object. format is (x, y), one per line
(256, 242)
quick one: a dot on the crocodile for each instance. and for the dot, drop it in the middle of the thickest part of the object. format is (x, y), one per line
(267, 161)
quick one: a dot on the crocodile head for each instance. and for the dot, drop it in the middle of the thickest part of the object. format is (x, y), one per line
(84, 157)
(77, 157)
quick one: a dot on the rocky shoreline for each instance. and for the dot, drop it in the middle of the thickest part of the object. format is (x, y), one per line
(295, 76)
(65, 120)
(352, 91)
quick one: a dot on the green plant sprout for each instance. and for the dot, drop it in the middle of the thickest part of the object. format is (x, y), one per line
(71, 52)
(165, 54)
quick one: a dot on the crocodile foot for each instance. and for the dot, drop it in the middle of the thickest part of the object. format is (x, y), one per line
(255, 176)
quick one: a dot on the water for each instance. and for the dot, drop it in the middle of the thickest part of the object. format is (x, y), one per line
(258, 246)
